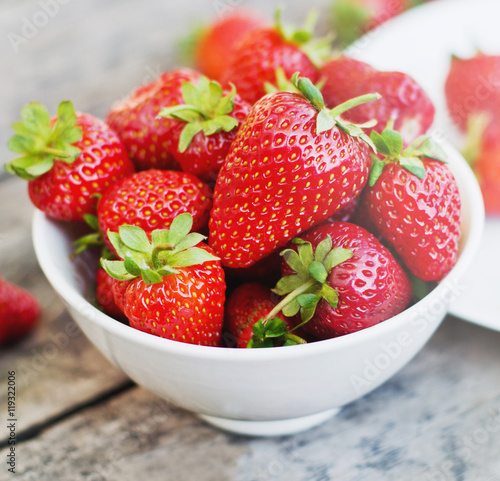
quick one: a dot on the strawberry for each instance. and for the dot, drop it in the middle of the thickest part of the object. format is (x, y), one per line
(261, 52)
(403, 100)
(217, 42)
(19, 312)
(151, 199)
(104, 294)
(482, 151)
(147, 139)
(67, 160)
(208, 120)
(339, 279)
(354, 18)
(472, 86)
(175, 284)
(247, 304)
(413, 203)
(291, 165)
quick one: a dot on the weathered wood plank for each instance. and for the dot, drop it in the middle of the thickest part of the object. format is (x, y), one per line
(56, 367)
(439, 419)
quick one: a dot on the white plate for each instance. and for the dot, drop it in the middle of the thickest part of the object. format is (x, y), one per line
(420, 42)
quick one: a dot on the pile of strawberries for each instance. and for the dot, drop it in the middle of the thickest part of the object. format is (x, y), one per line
(322, 200)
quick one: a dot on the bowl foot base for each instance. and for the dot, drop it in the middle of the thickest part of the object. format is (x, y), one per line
(282, 427)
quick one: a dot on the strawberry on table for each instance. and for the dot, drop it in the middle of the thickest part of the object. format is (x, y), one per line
(216, 43)
(148, 139)
(208, 119)
(19, 312)
(413, 203)
(403, 100)
(67, 160)
(472, 87)
(175, 285)
(338, 279)
(151, 199)
(260, 53)
(292, 164)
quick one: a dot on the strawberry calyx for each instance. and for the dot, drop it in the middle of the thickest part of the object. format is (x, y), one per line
(206, 109)
(93, 239)
(350, 19)
(329, 118)
(389, 145)
(42, 143)
(302, 290)
(152, 260)
(317, 50)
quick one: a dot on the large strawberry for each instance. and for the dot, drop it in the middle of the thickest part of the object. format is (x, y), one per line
(67, 160)
(151, 199)
(413, 203)
(472, 86)
(148, 139)
(208, 118)
(260, 53)
(338, 279)
(175, 285)
(19, 312)
(216, 43)
(403, 101)
(354, 18)
(291, 165)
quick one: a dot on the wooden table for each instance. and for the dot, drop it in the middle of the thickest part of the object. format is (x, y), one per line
(79, 418)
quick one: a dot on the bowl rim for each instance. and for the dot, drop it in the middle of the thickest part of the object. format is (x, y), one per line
(73, 298)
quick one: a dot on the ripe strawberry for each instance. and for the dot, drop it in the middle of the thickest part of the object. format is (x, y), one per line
(413, 204)
(482, 151)
(151, 199)
(472, 87)
(262, 52)
(148, 139)
(175, 285)
(248, 303)
(354, 18)
(208, 119)
(291, 166)
(217, 42)
(104, 294)
(341, 279)
(403, 99)
(19, 312)
(67, 160)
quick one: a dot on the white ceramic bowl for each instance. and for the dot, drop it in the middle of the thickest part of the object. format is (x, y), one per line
(259, 391)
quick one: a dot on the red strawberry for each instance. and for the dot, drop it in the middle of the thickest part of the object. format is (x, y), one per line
(354, 18)
(291, 166)
(248, 303)
(151, 199)
(472, 86)
(67, 160)
(413, 204)
(262, 52)
(175, 285)
(341, 279)
(148, 140)
(208, 120)
(19, 312)
(403, 99)
(482, 151)
(104, 294)
(217, 42)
